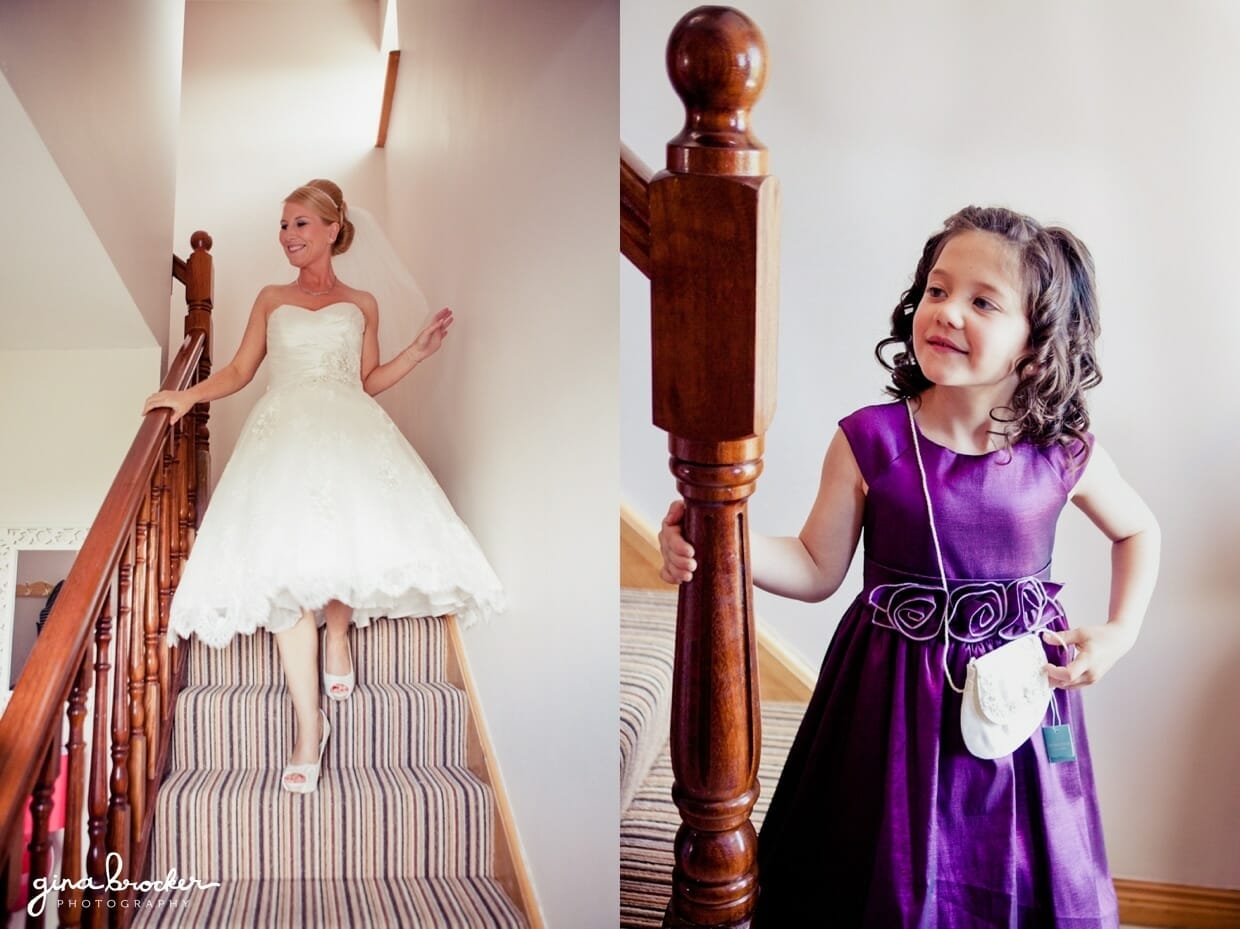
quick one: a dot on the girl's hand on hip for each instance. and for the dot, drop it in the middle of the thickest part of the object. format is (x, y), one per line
(678, 562)
(1097, 650)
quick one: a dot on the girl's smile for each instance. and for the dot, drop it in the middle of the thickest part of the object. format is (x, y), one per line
(970, 328)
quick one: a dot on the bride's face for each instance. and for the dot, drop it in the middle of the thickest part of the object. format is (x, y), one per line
(304, 235)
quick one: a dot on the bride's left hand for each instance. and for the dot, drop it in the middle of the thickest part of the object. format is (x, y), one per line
(432, 336)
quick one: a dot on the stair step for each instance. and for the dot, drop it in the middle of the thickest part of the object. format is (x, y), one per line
(476, 903)
(360, 823)
(419, 723)
(409, 648)
(647, 643)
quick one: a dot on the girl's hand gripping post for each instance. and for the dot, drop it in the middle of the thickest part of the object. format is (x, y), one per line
(678, 561)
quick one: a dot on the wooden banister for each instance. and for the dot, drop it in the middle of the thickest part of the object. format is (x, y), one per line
(634, 210)
(111, 608)
(709, 239)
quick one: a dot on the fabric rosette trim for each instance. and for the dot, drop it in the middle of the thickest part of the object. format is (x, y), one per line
(975, 610)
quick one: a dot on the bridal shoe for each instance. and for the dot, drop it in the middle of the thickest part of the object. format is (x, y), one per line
(339, 687)
(309, 772)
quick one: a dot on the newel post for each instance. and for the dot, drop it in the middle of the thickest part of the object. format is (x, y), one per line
(713, 231)
(199, 300)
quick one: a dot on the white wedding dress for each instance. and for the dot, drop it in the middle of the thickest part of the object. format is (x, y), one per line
(325, 499)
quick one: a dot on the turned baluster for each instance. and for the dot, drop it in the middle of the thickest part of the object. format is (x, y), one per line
(150, 629)
(178, 473)
(157, 662)
(40, 848)
(119, 811)
(713, 218)
(75, 794)
(137, 669)
(199, 301)
(97, 823)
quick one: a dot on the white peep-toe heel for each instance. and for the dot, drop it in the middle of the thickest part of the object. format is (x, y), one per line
(339, 687)
(309, 772)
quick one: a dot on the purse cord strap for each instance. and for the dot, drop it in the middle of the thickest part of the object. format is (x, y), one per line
(938, 551)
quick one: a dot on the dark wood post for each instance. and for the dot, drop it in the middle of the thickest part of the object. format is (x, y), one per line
(199, 288)
(713, 247)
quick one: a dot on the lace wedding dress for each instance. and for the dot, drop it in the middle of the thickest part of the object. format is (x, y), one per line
(325, 499)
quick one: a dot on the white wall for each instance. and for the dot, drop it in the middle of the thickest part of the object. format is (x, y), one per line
(502, 183)
(68, 418)
(101, 83)
(1112, 118)
(44, 304)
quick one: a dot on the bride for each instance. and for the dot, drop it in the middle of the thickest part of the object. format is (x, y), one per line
(324, 507)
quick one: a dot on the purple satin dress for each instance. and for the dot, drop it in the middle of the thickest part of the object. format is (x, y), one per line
(882, 819)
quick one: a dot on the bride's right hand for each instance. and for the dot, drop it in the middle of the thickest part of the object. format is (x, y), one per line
(678, 561)
(176, 400)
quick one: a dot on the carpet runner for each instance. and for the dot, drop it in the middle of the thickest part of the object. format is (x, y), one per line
(649, 819)
(399, 833)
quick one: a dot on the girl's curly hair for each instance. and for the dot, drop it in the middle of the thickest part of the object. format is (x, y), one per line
(1048, 405)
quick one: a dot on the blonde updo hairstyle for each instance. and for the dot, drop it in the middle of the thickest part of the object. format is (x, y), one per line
(326, 199)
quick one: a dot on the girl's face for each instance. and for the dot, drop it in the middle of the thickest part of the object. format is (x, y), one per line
(970, 328)
(304, 236)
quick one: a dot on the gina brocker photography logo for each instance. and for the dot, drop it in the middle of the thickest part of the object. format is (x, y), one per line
(113, 883)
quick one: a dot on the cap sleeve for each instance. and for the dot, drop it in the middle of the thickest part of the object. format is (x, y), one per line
(877, 435)
(1069, 461)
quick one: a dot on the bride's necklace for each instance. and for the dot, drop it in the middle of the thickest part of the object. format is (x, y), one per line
(315, 293)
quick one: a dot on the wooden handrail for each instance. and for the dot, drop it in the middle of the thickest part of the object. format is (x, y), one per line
(105, 633)
(634, 210)
(389, 94)
(706, 228)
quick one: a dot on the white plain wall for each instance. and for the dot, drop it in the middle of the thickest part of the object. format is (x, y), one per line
(1112, 118)
(502, 183)
(68, 418)
(101, 82)
(42, 306)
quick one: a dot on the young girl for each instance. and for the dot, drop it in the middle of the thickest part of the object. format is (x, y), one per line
(882, 817)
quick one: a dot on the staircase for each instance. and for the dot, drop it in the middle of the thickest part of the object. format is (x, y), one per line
(400, 832)
(648, 817)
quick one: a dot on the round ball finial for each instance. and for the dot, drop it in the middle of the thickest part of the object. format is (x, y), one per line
(716, 59)
(200, 240)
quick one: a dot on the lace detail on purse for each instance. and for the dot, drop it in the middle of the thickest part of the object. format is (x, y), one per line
(1006, 693)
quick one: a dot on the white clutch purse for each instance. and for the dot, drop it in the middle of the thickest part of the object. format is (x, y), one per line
(1006, 693)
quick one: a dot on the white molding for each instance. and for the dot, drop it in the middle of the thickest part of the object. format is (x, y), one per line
(13, 541)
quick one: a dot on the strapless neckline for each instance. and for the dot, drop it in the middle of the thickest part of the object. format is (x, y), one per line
(327, 306)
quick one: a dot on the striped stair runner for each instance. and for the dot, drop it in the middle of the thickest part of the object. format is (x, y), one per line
(399, 833)
(649, 819)
(647, 631)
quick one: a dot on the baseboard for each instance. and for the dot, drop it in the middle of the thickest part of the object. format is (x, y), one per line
(1177, 906)
(511, 869)
(781, 674)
